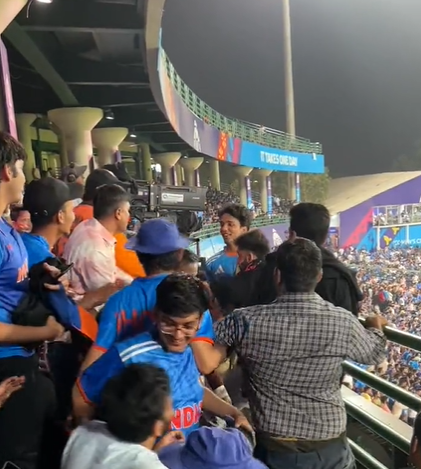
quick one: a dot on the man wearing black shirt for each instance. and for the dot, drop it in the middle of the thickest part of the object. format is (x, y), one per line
(338, 284)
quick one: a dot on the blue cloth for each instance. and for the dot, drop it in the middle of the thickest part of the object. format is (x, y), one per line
(13, 281)
(66, 310)
(221, 263)
(37, 248)
(130, 312)
(209, 448)
(156, 237)
(187, 392)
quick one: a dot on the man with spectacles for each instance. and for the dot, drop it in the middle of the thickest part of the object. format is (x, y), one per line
(181, 301)
(159, 248)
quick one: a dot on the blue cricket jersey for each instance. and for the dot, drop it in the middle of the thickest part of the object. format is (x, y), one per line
(186, 390)
(70, 314)
(13, 281)
(129, 312)
(223, 262)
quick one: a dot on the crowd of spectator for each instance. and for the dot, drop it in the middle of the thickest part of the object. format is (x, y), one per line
(114, 352)
(390, 282)
(215, 200)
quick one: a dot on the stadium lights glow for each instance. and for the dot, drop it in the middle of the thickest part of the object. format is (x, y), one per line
(44, 1)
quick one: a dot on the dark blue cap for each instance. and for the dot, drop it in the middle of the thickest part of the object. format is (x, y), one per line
(210, 447)
(157, 237)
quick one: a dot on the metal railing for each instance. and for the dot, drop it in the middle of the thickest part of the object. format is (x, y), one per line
(386, 432)
(208, 231)
(246, 131)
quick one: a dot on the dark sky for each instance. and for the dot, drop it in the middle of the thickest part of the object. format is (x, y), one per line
(357, 70)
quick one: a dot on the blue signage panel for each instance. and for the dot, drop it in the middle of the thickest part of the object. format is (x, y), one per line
(257, 156)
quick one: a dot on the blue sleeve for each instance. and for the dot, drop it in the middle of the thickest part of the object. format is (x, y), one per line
(65, 308)
(71, 315)
(109, 323)
(205, 331)
(95, 377)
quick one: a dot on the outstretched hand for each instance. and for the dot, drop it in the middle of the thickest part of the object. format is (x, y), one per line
(9, 386)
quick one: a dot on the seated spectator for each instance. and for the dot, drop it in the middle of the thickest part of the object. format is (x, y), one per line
(21, 219)
(211, 448)
(135, 411)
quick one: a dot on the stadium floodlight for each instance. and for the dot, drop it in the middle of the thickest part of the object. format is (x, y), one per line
(44, 1)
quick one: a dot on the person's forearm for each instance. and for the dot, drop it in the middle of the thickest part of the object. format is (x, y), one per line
(213, 404)
(13, 334)
(81, 409)
(208, 356)
(214, 380)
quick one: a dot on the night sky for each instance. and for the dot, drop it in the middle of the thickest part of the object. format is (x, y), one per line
(357, 70)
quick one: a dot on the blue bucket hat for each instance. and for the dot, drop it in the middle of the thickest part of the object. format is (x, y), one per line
(210, 448)
(157, 237)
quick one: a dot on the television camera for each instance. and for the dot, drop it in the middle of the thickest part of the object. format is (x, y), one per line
(181, 205)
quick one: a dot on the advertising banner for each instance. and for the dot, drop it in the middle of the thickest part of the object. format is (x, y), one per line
(208, 140)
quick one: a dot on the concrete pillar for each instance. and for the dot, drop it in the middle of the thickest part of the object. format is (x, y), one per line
(243, 172)
(146, 162)
(106, 141)
(180, 174)
(9, 10)
(76, 124)
(261, 175)
(190, 165)
(214, 174)
(167, 162)
(23, 123)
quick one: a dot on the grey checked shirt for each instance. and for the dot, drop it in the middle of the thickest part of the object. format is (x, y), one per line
(291, 352)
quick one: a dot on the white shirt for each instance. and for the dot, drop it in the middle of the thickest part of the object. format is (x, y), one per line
(91, 446)
(91, 248)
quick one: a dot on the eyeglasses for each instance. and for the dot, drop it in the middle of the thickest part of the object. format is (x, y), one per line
(171, 328)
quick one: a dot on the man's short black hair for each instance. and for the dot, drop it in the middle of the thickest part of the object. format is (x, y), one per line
(151, 263)
(253, 241)
(10, 151)
(97, 178)
(15, 212)
(180, 295)
(108, 199)
(133, 401)
(300, 263)
(189, 257)
(310, 221)
(239, 212)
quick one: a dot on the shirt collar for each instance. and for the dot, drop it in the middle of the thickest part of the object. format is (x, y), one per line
(101, 230)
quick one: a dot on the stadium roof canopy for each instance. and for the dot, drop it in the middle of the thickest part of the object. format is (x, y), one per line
(347, 192)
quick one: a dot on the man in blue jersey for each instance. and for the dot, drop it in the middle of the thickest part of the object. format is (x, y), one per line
(160, 248)
(181, 301)
(50, 205)
(234, 220)
(23, 416)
